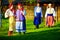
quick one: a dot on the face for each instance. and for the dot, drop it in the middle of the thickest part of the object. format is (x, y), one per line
(49, 5)
(19, 7)
(38, 4)
(11, 7)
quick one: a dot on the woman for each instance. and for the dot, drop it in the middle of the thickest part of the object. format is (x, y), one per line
(20, 19)
(50, 14)
(37, 15)
(10, 14)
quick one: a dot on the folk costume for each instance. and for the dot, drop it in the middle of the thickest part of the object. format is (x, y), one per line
(50, 14)
(20, 21)
(37, 16)
(10, 14)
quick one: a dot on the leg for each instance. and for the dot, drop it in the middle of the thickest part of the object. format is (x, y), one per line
(18, 27)
(48, 21)
(10, 30)
(37, 26)
(10, 26)
(21, 26)
(51, 21)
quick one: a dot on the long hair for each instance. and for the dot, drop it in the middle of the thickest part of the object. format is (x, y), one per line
(22, 8)
(13, 10)
(10, 4)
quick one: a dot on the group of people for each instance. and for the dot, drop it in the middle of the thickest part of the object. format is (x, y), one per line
(17, 17)
(49, 15)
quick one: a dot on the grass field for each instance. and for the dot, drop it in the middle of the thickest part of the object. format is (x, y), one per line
(43, 33)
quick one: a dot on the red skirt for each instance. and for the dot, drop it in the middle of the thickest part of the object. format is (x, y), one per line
(50, 20)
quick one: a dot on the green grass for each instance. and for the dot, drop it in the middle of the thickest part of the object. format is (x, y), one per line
(43, 33)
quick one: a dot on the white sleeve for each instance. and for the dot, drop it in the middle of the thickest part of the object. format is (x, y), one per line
(54, 13)
(35, 11)
(6, 14)
(24, 12)
(46, 14)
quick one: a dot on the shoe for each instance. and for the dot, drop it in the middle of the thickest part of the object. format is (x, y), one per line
(23, 32)
(10, 33)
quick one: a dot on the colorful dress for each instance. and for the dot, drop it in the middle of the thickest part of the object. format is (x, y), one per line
(50, 14)
(9, 14)
(20, 21)
(37, 15)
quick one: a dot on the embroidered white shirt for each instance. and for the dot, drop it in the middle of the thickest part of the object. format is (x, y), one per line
(8, 13)
(50, 11)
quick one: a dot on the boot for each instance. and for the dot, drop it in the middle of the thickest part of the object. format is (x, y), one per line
(37, 26)
(23, 32)
(10, 33)
(48, 26)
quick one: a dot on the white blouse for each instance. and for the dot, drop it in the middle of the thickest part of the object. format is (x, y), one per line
(38, 9)
(50, 11)
(8, 13)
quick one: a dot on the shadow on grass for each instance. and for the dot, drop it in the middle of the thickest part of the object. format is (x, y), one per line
(53, 34)
(58, 25)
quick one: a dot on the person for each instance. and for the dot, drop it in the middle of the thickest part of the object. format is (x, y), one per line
(50, 14)
(37, 15)
(10, 14)
(20, 19)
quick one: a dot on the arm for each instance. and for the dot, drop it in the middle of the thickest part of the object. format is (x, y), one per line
(54, 14)
(6, 14)
(46, 14)
(24, 12)
(35, 11)
(17, 15)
